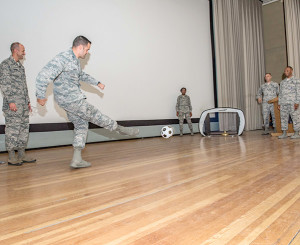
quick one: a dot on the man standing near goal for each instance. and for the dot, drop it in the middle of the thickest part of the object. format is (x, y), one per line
(65, 71)
(288, 103)
(268, 91)
(184, 110)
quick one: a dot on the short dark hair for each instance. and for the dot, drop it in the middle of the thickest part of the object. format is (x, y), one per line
(268, 73)
(182, 89)
(81, 40)
(290, 67)
(14, 46)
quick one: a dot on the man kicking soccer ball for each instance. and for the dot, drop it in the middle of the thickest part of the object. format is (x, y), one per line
(65, 71)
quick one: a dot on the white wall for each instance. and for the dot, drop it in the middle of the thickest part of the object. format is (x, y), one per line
(143, 50)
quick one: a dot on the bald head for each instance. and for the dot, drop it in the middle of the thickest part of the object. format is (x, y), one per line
(17, 51)
(14, 46)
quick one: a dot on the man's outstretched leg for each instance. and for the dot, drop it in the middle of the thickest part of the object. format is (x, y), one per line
(89, 113)
(127, 131)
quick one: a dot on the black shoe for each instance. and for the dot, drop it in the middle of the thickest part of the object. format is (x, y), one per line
(28, 160)
(265, 133)
(15, 164)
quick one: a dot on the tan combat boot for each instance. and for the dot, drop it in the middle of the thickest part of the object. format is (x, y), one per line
(23, 158)
(77, 161)
(13, 160)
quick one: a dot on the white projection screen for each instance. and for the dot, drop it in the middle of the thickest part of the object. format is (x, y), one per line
(144, 51)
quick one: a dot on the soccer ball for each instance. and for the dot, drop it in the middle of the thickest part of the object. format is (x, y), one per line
(167, 132)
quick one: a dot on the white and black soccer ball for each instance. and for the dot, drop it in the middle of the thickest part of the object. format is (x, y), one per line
(167, 132)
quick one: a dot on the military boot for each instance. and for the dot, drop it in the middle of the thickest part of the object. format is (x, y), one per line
(192, 131)
(181, 132)
(127, 131)
(296, 135)
(266, 131)
(24, 158)
(283, 136)
(77, 161)
(13, 160)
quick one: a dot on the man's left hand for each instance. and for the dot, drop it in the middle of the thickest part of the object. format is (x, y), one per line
(101, 86)
(296, 106)
(29, 107)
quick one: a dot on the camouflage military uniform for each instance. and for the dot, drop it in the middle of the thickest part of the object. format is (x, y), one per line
(14, 89)
(184, 108)
(268, 91)
(65, 71)
(289, 95)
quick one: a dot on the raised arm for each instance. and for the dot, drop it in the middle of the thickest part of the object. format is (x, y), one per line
(88, 79)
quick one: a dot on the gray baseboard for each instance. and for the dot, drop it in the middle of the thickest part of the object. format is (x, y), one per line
(65, 137)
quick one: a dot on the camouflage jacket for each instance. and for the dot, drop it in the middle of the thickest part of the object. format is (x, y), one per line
(13, 83)
(268, 91)
(289, 91)
(65, 72)
(184, 104)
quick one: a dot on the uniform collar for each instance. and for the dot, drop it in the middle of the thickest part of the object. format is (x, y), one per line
(291, 78)
(14, 61)
(72, 53)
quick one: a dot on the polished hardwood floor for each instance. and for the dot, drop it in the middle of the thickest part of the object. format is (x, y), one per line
(183, 190)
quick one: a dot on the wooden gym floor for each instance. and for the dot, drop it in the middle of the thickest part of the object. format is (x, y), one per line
(184, 190)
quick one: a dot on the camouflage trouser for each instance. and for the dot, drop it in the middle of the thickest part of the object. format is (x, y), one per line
(285, 111)
(181, 117)
(16, 127)
(80, 113)
(266, 110)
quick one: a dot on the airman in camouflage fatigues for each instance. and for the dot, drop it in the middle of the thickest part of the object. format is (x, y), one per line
(289, 99)
(65, 71)
(266, 92)
(184, 110)
(16, 105)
